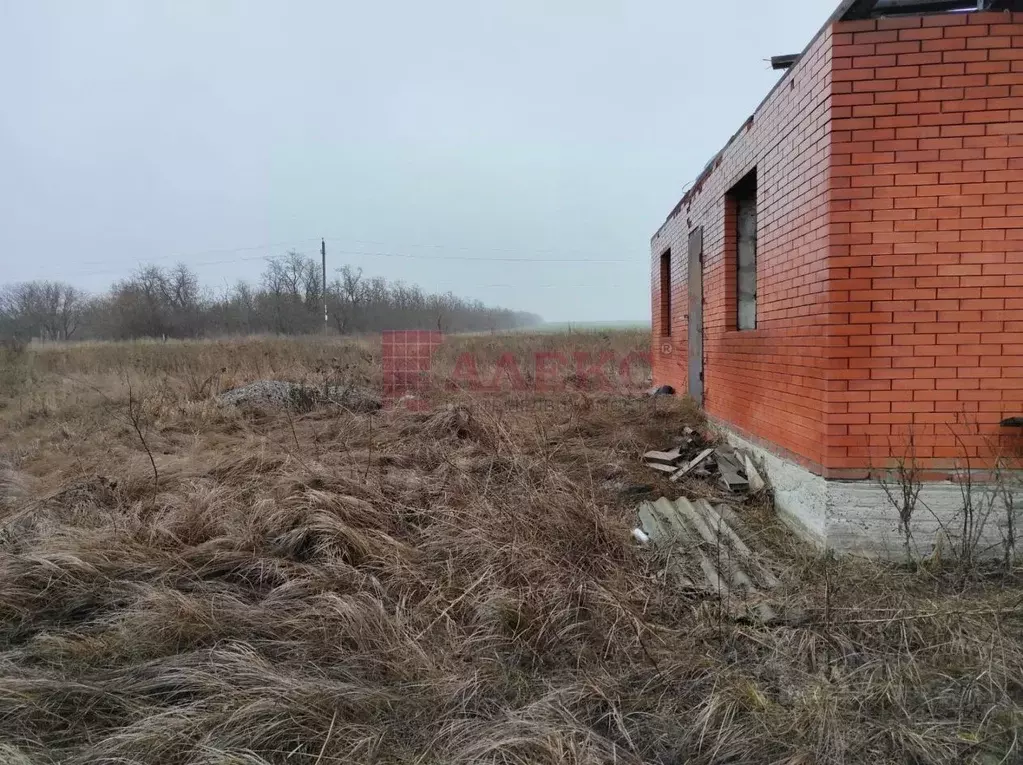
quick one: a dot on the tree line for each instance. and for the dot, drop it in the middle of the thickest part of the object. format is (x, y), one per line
(158, 302)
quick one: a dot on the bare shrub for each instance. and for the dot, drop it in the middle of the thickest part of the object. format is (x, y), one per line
(902, 487)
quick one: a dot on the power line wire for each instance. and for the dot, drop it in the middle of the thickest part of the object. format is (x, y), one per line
(539, 251)
(463, 258)
(363, 253)
(458, 285)
(181, 256)
(391, 252)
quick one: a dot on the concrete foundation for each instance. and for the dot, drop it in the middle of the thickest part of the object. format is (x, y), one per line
(858, 517)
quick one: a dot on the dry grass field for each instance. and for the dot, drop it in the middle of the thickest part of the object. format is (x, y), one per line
(184, 582)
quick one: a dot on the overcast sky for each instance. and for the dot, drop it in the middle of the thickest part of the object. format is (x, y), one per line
(205, 131)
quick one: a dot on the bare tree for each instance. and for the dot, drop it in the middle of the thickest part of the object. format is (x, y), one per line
(70, 309)
(348, 294)
(159, 302)
(182, 298)
(42, 309)
(275, 284)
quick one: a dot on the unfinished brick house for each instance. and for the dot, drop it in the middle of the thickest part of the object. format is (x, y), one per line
(842, 287)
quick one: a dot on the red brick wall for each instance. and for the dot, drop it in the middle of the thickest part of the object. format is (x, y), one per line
(768, 382)
(890, 253)
(926, 257)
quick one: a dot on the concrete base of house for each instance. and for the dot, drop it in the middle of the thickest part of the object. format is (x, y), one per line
(858, 517)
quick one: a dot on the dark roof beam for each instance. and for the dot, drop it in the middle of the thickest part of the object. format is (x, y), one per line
(866, 9)
(785, 62)
(914, 7)
(855, 9)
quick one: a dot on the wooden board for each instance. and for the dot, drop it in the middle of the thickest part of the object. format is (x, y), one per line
(693, 464)
(667, 458)
(662, 468)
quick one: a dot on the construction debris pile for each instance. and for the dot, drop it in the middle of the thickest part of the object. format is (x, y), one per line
(693, 457)
(702, 544)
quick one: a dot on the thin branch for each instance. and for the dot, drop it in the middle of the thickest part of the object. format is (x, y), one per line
(135, 416)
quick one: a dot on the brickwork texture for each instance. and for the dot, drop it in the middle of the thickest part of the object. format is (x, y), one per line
(889, 166)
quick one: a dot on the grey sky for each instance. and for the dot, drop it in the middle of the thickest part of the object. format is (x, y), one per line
(151, 131)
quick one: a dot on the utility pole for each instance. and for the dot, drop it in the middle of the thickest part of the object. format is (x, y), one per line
(323, 285)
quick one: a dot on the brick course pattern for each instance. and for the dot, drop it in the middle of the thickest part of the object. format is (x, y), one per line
(889, 167)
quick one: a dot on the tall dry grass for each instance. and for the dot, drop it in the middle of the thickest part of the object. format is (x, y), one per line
(454, 585)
